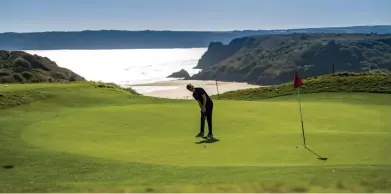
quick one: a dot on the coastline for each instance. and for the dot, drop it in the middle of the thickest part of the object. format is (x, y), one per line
(176, 89)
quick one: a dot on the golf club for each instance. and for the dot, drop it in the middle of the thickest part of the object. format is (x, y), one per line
(319, 157)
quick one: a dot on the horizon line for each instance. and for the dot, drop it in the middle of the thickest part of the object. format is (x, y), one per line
(234, 30)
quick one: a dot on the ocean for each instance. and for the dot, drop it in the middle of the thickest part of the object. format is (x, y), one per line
(127, 67)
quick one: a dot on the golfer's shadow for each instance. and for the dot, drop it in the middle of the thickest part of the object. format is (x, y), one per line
(211, 140)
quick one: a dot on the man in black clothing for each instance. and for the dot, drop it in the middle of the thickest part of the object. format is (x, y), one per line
(206, 105)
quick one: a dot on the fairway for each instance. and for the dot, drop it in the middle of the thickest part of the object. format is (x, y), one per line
(95, 139)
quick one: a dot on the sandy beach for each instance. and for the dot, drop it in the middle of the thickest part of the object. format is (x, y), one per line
(176, 89)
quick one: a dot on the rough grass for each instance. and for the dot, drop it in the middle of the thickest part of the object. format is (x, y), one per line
(12, 95)
(340, 82)
(83, 138)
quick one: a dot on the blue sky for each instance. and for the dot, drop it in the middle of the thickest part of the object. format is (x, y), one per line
(199, 15)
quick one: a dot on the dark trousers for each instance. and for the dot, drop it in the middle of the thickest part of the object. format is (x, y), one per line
(208, 116)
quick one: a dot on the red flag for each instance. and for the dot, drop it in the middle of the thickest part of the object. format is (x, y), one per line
(297, 81)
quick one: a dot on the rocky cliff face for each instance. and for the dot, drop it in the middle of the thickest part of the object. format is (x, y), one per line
(218, 52)
(271, 59)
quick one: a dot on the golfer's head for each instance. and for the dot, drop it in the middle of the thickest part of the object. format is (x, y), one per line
(190, 87)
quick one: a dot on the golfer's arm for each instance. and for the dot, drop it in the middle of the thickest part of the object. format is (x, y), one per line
(199, 103)
(204, 98)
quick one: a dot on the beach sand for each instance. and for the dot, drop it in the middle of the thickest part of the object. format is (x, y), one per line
(176, 89)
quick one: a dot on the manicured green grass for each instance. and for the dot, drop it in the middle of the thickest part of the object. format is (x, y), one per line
(340, 82)
(82, 138)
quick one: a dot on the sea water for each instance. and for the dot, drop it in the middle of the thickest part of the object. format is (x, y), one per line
(127, 67)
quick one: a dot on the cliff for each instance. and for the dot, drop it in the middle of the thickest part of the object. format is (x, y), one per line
(271, 59)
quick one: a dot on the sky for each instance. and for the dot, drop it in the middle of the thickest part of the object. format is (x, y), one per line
(188, 15)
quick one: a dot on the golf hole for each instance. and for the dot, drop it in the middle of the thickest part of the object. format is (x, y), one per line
(8, 166)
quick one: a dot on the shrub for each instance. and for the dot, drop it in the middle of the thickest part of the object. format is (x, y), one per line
(7, 79)
(27, 75)
(19, 69)
(40, 78)
(3, 73)
(18, 77)
(59, 75)
(35, 63)
(21, 62)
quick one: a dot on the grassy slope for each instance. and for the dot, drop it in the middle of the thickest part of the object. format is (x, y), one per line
(340, 82)
(85, 138)
(71, 94)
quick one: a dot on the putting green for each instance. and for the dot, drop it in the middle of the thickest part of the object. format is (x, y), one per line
(81, 138)
(250, 134)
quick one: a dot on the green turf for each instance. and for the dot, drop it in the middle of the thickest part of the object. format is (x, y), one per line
(368, 82)
(82, 138)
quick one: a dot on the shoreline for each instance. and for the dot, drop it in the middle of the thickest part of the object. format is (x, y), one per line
(176, 89)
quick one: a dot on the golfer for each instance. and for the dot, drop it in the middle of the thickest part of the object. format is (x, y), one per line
(206, 105)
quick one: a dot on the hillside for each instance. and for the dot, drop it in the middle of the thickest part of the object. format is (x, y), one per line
(21, 67)
(116, 39)
(340, 82)
(271, 59)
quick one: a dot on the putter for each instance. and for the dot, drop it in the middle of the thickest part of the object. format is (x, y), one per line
(319, 157)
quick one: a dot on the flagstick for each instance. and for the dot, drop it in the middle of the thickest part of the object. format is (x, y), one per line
(301, 116)
(218, 93)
